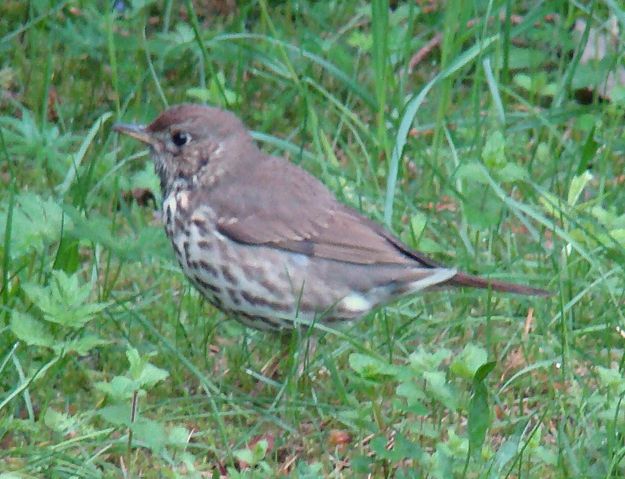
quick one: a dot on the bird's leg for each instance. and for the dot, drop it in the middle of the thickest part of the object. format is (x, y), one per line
(297, 346)
(272, 366)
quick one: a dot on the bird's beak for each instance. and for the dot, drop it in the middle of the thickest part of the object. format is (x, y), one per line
(138, 132)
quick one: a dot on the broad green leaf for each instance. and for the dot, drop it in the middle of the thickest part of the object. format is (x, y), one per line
(254, 454)
(418, 221)
(494, 152)
(406, 448)
(150, 375)
(84, 344)
(440, 389)
(525, 58)
(369, 367)
(473, 171)
(117, 414)
(379, 446)
(31, 331)
(588, 150)
(524, 81)
(182, 35)
(512, 172)
(479, 409)
(468, 361)
(482, 207)
(484, 370)
(617, 235)
(142, 372)
(422, 360)
(244, 455)
(150, 433)
(360, 40)
(178, 437)
(410, 391)
(136, 362)
(479, 417)
(120, 388)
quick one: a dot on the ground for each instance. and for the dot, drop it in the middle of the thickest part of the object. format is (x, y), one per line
(487, 134)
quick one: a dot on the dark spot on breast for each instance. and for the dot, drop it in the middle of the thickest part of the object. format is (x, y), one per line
(273, 322)
(234, 296)
(258, 301)
(181, 175)
(259, 322)
(205, 245)
(176, 249)
(209, 268)
(272, 288)
(332, 319)
(207, 286)
(178, 223)
(200, 225)
(228, 276)
(185, 246)
(306, 307)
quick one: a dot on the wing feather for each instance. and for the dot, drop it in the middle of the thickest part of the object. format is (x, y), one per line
(282, 206)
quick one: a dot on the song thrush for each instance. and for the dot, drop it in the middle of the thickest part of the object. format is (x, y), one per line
(267, 242)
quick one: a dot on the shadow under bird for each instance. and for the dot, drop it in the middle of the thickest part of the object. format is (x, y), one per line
(267, 242)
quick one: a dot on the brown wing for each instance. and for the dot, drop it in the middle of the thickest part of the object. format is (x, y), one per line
(279, 205)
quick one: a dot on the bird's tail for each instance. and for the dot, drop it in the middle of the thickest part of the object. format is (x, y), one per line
(468, 280)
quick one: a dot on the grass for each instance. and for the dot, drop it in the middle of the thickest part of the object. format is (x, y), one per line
(480, 154)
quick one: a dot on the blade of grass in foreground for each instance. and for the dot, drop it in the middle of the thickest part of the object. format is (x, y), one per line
(411, 111)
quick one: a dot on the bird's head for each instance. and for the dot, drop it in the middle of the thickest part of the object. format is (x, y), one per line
(188, 140)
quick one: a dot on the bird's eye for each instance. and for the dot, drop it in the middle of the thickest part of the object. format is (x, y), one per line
(180, 138)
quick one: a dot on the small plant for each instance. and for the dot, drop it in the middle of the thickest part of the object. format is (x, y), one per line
(58, 321)
(123, 394)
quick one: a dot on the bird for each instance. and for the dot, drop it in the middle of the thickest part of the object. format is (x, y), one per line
(268, 243)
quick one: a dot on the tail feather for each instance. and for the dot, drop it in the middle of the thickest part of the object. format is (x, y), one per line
(463, 279)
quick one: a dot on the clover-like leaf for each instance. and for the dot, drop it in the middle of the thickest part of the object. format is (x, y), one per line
(64, 301)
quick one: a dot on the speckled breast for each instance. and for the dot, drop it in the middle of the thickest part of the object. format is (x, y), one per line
(252, 283)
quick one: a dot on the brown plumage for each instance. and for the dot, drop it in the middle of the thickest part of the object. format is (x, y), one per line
(266, 241)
